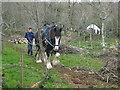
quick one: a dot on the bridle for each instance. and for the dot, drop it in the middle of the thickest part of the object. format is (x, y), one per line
(50, 43)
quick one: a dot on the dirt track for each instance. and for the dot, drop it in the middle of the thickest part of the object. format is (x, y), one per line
(81, 78)
(78, 80)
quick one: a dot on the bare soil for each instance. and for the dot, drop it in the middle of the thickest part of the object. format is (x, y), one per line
(80, 77)
(68, 49)
(83, 79)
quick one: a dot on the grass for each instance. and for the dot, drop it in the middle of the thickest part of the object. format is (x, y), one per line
(53, 81)
(0, 59)
(81, 60)
(87, 60)
(96, 44)
(11, 55)
(12, 76)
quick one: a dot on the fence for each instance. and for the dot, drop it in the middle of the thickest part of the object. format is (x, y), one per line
(22, 67)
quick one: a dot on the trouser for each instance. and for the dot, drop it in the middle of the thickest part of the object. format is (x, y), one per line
(37, 50)
(30, 51)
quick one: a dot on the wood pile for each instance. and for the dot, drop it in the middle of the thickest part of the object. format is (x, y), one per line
(19, 40)
(109, 72)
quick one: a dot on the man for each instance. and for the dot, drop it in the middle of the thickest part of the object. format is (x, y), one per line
(30, 36)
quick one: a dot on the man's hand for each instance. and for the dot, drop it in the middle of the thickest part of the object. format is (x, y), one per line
(33, 41)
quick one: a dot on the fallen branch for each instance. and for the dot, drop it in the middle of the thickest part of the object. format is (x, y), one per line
(36, 84)
(40, 82)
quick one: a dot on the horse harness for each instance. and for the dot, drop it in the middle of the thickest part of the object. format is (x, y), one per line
(47, 36)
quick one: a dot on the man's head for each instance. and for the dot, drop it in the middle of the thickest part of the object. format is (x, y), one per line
(30, 29)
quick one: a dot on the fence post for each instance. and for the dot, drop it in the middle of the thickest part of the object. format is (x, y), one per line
(21, 70)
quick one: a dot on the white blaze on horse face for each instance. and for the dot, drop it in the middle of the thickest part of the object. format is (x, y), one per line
(56, 43)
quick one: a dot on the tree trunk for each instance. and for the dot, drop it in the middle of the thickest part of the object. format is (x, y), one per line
(91, 38)
(36, 14)
(1, 40)
(103, 37)
(0, 27)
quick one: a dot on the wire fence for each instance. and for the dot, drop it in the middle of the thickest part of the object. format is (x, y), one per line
(22, 65)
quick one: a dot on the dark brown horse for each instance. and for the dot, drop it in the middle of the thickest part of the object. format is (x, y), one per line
(50, 41)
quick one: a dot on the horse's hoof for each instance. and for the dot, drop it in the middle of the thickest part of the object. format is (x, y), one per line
(55, 62)
(49, 66)
(38, 61)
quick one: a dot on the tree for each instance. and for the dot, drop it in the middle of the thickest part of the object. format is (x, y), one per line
(104, 13)
(19, 16)
(1, 36)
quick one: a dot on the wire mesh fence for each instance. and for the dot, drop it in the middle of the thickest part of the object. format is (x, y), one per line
(21, 69)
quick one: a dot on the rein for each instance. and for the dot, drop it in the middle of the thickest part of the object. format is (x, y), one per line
(33, 44)
(49, 43)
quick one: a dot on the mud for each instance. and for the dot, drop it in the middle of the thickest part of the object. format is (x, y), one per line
(80, 77)
(68, 49)
(77, 79)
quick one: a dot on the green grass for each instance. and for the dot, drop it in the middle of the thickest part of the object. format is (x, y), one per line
(88, 60)
(96, 44)
(12, 76)
(0, 59)
(54, 82)
(11, 55)
(72, 60)
(110, 42)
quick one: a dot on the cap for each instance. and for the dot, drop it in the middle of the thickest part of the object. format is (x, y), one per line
(30, 28)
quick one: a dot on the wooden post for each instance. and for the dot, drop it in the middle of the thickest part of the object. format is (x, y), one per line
(21, 70)
(91, 38)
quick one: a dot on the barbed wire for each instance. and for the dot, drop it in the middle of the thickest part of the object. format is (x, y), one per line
(41, 54)
(18, 65)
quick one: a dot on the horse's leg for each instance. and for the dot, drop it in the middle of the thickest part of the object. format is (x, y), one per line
(38, 59)
(56, 60)
(36, 54)
(47, 62)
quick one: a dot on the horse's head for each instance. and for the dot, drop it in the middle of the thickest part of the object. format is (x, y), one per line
(56, 36)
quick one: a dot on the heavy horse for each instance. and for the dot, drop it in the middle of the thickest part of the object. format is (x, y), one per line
(51, 39)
